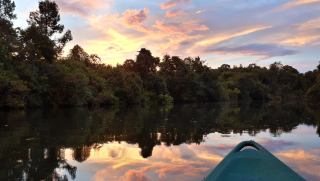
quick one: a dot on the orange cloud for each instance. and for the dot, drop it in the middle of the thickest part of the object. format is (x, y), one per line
(296, 3)
(305, 33)
(124, 34)
(167, 163)
(115, 47)
(311, 24)
(303, 161)
(298, 155)
(300, 40)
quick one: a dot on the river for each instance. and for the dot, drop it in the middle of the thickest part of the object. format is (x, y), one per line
(150, 143)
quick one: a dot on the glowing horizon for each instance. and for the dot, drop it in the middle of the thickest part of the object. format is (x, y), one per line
(220, 32)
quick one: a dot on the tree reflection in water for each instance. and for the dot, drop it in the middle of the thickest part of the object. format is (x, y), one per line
(32, 143)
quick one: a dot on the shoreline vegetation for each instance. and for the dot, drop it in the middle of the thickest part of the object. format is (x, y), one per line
(33, 73)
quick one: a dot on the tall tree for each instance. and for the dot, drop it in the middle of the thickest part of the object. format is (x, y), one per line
(146, 63)
(47, 18)
(42, 30)
(8, 35)
(77, 53)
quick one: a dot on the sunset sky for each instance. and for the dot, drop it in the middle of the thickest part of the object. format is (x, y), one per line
(219, 31)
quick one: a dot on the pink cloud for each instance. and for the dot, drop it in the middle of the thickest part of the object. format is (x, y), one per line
(83, 7)
(173, 3)
(135, 17)
(133, 175)
(174, 13)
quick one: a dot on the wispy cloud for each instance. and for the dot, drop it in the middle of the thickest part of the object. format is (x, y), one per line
(261, 50)
(200, 11)
(296, 3)
(307, 33)
(223, 37)
(300, 40)
(179, 28)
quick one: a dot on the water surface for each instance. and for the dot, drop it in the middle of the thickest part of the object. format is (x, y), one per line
(179, 143)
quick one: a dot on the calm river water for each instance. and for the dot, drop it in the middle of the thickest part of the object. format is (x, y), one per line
(179, 143)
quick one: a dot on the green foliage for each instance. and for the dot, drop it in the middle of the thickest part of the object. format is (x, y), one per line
(8, 35)
(242, 86)
(77, 53)
(7, 9)
(38, 47)
(189, 80)
(127, 86)
(13, 90)
(164, 99)
(313, 93)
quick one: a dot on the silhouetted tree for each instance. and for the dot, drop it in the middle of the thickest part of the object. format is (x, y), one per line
(224, 67)
(146, 63)
(77, 53)
(44, 23)
(129, 65)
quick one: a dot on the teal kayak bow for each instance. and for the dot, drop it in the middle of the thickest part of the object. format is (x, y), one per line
(250, 161)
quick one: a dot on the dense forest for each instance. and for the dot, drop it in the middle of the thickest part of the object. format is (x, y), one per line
(34, 73)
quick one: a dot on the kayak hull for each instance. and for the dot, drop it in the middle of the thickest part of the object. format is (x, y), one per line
(255, 163)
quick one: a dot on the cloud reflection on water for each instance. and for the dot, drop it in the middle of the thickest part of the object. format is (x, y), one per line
(122, 161)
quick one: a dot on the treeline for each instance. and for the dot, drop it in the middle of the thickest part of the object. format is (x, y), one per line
(33, 72)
